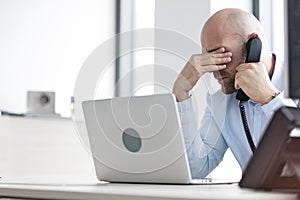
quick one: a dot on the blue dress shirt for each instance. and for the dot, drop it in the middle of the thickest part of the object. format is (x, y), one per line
(221, 127)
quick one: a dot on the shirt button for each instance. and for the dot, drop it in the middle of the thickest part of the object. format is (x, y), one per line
(258, 107)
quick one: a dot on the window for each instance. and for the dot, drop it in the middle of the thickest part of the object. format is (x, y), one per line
(134, 68)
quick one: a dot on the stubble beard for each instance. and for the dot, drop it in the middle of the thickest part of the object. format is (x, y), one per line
(228, 86)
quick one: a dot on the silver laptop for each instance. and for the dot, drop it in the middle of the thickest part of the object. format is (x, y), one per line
(138, 139)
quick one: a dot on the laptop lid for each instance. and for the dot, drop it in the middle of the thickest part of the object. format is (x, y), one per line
(137, 139)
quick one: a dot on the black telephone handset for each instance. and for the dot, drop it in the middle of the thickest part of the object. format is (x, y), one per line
(253, 47)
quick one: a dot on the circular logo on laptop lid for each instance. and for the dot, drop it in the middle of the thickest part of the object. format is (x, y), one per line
(131, 140)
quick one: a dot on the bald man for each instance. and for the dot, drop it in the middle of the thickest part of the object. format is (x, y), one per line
(223, 41)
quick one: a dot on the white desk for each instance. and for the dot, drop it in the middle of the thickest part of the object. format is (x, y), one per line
(137, 191)
(50, 149)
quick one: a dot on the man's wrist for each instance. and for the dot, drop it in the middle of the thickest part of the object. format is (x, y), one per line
(181, 96)
(272, 95)
(276, 94)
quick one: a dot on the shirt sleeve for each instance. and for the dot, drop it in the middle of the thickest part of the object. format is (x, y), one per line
(206, 146)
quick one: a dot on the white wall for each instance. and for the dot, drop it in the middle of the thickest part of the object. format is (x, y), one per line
(185, 19)
(278, 29)
(44, 43)
(220, 4)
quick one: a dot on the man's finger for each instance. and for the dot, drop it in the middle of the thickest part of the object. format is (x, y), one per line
(211, 68)
(214, 61)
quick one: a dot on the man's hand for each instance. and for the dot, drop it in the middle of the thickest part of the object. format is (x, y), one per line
(197, 65)
(254, 79)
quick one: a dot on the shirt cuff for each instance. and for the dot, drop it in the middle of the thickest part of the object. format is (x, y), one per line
(185, 109)
(276, 103)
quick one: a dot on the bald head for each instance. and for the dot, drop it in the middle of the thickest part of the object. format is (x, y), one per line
(229, 22)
